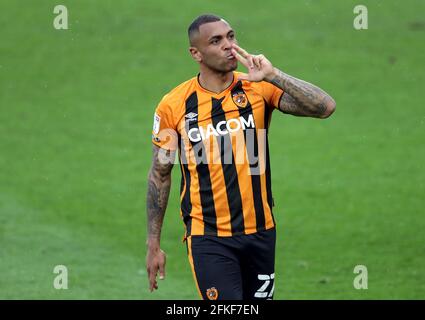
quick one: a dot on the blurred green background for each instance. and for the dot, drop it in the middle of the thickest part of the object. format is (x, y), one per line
(76, 109)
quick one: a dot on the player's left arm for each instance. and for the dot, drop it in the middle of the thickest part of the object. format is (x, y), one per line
(300, 98)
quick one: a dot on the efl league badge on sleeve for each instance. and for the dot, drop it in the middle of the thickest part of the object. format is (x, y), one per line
(156, 122)
(240, 99)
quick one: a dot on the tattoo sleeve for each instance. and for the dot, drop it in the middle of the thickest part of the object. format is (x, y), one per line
(302, 98)
(159, 183)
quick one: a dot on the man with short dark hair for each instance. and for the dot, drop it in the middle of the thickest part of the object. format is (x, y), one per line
(218, 122)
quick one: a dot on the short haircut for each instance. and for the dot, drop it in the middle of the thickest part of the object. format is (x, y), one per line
(199, 21)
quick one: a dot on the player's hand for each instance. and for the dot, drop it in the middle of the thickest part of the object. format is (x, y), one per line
(259, 67)
(155, 261)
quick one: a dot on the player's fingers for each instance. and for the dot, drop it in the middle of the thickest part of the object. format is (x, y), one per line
(245, 55)
(250, 60)
(240, 58)
(241, 51)
(256, 61)
(162, 271)
(261, 59)
(152, 278)
(162, 265)
(153, 286)
(248, 57)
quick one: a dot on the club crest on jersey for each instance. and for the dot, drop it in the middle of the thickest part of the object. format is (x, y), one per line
(212, 293)
(240, 99)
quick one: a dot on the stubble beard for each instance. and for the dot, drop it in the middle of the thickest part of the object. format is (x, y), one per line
(224, 68)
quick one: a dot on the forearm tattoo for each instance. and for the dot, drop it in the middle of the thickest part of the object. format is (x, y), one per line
(302, 98)
(159, 183)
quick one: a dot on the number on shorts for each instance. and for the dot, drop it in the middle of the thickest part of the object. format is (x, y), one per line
(262, 292)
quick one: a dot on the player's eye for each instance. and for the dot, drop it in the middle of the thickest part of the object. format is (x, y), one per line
(215, 41)
(231, 36)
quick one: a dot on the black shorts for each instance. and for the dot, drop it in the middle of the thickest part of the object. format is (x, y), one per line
(234, 268)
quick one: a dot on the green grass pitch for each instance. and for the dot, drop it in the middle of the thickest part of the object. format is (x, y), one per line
(76, 109)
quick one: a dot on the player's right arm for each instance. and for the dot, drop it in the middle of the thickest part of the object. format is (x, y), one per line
(300, 98)
(159, 183)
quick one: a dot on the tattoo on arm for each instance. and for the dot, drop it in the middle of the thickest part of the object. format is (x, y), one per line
(159, 184)
(302, 98)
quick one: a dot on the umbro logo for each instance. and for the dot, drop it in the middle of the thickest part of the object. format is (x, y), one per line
(192, 116)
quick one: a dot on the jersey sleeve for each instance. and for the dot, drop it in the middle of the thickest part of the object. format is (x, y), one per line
(271, 94)
(164, 133)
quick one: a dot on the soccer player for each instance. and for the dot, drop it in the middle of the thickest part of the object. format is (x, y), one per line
(218, 123)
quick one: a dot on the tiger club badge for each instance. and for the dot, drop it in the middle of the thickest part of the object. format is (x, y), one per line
(240, 99)
(212, 293)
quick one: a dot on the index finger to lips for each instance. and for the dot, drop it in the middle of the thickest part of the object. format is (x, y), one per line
(240, 58)
(241, 51)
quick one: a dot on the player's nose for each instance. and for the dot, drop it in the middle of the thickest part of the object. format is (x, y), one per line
(227, 44)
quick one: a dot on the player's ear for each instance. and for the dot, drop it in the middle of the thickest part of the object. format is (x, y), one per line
(196, 55)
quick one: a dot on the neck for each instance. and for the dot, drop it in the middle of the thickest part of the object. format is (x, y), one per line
(215, 81)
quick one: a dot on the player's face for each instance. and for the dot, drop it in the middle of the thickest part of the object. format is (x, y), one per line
(214, 45)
